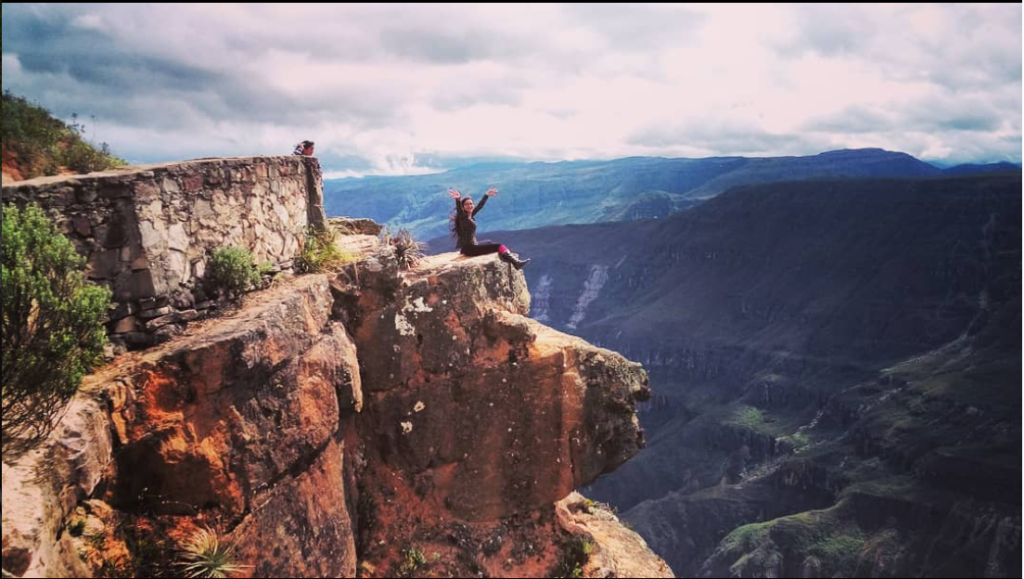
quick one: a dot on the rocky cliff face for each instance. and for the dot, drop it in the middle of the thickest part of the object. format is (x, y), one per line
(237, 426)
(477, 419)
(497, 412)
(376, 422)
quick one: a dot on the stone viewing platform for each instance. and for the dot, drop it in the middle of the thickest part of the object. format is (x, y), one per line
(148, 231)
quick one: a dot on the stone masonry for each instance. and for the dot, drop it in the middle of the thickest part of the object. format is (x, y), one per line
(148, 231)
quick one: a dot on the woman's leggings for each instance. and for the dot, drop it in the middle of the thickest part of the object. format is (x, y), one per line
(483, 249)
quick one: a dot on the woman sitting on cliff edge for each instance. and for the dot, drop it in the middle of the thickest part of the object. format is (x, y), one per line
(463, 228)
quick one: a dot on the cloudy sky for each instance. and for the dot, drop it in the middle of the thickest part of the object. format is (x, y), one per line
(399, 89)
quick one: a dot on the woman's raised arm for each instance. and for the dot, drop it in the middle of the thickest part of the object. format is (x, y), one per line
(490, 193)
(454, 193)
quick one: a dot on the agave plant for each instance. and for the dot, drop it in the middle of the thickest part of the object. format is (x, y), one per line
(402, 248)
(203, 557)
(407, 250)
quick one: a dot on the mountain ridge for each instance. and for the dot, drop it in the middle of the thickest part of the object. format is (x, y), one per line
(539, 194)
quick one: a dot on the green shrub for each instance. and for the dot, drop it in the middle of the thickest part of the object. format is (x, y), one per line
(76, 527)
(264, 269)
(590, 507)
(576, 552)
(203, 556)
(53, 332)
(414, 561)
(81, 157)
(233, 270)
(320, 251)
(44, 144)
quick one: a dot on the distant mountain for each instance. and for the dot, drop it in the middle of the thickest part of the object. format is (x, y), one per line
(836, 368)
(975, 169)
(844, 163)
(541, 194)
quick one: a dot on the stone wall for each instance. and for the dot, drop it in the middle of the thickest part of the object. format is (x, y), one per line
(147, 231)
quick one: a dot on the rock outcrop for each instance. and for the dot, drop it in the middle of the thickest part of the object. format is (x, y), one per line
(617, 550)
(373, 421)
(494, 412)
(238, 426)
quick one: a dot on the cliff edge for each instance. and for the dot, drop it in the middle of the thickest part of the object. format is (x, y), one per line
(371, 422)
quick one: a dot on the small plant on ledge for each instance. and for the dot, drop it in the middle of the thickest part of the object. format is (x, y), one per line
(320, 251)
(414, 561)
(402, 248)
(590, 507)
(576, 552)
(204, 557)
(234, 271)
(77, 527)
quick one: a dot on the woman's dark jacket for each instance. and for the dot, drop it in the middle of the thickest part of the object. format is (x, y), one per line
(465, 224)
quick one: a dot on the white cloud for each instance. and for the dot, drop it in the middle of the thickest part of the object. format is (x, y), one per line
(381, 87)
(88, 22)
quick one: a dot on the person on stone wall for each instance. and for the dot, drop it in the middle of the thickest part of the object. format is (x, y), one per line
(305, 148)
(463, 228)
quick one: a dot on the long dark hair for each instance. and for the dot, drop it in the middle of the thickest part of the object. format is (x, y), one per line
(453, 219)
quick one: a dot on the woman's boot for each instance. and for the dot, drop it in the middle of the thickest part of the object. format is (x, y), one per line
(512, 258)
